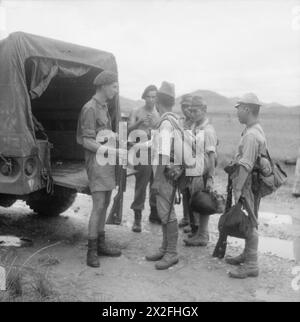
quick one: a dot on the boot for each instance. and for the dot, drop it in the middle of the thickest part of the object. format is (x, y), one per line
(92, 259)
(153, 217)
(162, 250)
(187, 229)
(137, 226)
(183, 222)
(170, 258)
(237, 260)
(193, 230)
(104, 249)
(244, 271)
(250, 267)
(201, 238)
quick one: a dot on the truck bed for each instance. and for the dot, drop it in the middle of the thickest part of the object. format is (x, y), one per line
(73, 175)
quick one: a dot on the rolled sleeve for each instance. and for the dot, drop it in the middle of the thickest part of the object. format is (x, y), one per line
(211, 140)
(88, 123)
(249, 152)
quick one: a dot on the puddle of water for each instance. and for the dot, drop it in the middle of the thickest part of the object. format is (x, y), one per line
(269, 245)
(297, 249)
(276, 219)
(12, 241)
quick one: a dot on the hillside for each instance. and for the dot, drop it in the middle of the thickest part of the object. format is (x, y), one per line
(216, 103)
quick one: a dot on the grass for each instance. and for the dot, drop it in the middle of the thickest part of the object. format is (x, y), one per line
(283, 134)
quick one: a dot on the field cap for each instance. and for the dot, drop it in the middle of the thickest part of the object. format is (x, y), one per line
(186, 99)
(148, 89)
(248, 98)
(167, 89)
(198, 101)
(105, 78)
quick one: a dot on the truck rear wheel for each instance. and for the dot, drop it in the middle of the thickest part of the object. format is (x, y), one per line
(6, 200)
(51, 205)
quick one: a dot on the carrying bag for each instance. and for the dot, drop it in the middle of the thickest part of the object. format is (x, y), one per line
(236, 221)
(263, 184)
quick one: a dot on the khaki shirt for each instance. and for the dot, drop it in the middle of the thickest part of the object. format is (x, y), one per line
(93, 118)
(252, 144)
(206, 138)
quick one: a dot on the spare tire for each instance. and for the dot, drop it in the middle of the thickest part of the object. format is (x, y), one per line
(51, 205)
(7, 200)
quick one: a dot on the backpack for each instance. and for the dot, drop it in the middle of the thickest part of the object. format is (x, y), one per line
(266, 183)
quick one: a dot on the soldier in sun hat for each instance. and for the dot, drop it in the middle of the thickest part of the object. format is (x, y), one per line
(163, 187)
(186, 123)
(202, 176)
(252, 144)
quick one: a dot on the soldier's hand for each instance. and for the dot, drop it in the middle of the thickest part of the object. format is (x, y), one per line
(237, 195)
(154, 189)
(146, 120)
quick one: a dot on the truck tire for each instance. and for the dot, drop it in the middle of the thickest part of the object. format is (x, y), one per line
(6, 200)
(51, 205)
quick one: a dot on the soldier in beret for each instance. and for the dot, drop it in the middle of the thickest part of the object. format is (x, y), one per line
(95, 117)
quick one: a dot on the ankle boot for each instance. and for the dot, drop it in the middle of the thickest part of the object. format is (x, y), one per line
(162, 250)
(192, 232)
(237, 260)
(201, 238)
(92, 259)
(106, 250)
(250, 266)
(137, 226)
(170, 258)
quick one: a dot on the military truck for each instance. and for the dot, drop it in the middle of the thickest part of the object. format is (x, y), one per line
(43, 85)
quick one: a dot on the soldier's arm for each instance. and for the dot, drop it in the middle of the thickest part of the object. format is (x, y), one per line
(246, 164)
(88, 128)
(210, 142)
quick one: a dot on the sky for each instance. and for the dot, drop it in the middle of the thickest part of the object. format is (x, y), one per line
(231, 47)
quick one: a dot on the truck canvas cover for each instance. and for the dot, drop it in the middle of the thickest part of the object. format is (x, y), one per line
(48, 58)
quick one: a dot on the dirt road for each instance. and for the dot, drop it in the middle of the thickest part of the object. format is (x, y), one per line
(59, 272)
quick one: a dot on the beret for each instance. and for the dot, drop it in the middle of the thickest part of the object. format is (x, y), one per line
(105, 78)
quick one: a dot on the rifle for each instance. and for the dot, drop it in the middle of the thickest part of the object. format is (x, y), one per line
(116, 212)
(221, 246)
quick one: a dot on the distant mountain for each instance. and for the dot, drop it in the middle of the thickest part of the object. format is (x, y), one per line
(127, 104)
(216, 103)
